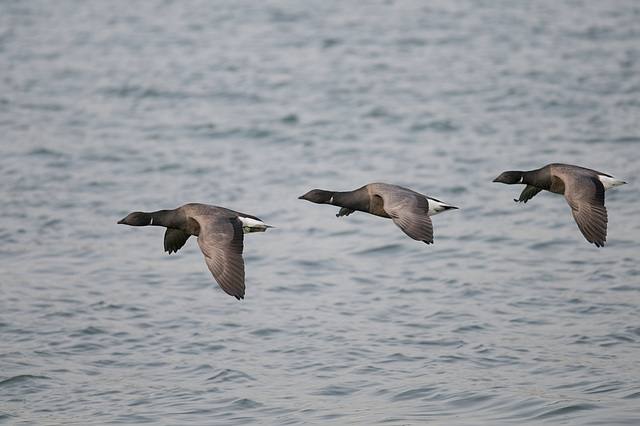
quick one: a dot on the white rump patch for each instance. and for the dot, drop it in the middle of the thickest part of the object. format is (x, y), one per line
(610, 182)
(253, 224)
(436, 207)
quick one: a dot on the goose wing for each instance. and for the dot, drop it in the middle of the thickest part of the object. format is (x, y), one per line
(409, 211)
(174, 239)
(528, 193)
(585, 196)
(221, 242)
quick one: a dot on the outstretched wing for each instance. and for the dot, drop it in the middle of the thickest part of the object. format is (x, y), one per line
(409, 212)
(528, 193)
(220, 240)
(587, 206)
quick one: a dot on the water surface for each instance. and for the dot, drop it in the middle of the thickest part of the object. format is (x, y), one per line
(510, 317)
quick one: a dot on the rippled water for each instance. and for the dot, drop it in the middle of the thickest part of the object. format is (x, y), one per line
(510, 317)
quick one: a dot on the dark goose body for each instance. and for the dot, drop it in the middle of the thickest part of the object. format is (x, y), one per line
(582, 188)
(408, 209)
(220, 237)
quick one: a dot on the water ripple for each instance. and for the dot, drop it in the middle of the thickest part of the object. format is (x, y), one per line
(510, 317)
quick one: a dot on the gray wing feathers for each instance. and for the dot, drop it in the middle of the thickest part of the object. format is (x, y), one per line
(410, 213)
(586, 198)
(221, 243)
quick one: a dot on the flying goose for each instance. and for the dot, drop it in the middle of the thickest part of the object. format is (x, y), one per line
(220, 234)
(408, 209)
(583, 189)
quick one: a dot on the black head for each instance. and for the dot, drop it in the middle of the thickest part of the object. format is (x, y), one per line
(509, 178)
(137, 219)
(318, 196)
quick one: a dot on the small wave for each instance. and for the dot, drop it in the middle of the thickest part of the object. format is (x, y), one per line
(336, 390)
(229, 375)
(388, 248)
(441, 126)
(245, 403)
(22, 379)
(46, 152)
(264, 332)
(43, 107)
(421, 393)
(563, 411)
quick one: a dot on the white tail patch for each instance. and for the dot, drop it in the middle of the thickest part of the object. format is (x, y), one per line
(437, 206)
(610, 182)
(252, 225)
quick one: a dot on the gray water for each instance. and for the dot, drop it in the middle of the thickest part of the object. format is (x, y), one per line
(510, 317)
